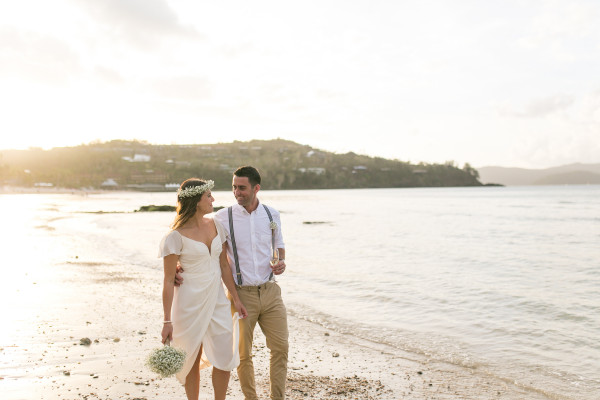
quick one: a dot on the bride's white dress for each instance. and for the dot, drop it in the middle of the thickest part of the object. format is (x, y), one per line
(201, 312)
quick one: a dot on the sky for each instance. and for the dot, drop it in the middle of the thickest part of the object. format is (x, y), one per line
(507, 83)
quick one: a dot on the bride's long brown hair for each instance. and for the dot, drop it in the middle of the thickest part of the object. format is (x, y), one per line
(186, 207)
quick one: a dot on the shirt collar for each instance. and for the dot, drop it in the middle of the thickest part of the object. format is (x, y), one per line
(243, 210)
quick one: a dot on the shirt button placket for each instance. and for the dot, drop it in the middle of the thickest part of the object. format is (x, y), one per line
(252, 239)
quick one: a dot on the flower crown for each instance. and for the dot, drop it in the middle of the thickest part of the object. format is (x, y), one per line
(192, 191)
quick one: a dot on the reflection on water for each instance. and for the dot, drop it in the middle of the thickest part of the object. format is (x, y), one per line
(29, 247)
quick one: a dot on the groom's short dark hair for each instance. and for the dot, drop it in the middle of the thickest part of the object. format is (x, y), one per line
(249, 172)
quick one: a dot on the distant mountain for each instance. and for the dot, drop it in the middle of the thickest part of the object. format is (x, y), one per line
(133, 165)
(572, 174)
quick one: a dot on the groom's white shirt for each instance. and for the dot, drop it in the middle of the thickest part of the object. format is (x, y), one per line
(252, 233)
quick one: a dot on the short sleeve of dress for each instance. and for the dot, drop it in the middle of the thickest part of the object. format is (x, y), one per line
(221, 232)
(171, 243)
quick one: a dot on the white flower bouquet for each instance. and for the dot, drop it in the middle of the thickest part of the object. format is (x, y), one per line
(166, 360)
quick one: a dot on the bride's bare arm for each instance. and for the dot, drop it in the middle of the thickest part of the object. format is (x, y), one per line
(170, 266)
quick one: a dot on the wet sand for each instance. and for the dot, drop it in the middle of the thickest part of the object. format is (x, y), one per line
(119, 309)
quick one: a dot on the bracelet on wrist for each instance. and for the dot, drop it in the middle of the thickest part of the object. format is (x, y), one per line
(167, 322)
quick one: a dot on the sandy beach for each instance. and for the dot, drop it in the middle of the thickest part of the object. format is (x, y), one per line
(119, 310)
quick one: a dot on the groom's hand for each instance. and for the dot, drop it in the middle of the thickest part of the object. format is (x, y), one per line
(178, 277)
(279, 268)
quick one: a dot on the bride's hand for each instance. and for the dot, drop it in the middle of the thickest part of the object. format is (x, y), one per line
(241, 310)
(167, 332)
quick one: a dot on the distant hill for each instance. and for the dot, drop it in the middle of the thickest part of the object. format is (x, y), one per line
(284, 164)
(572, 174)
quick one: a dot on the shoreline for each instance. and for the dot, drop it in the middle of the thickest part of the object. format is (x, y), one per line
(119, 309)
(6, 189)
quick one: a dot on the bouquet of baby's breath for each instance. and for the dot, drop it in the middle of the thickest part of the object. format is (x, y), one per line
(166, 360)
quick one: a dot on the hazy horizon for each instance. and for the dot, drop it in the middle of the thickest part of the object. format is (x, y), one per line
(509, 84)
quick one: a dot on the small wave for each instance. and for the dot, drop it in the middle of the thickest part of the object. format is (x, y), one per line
(428, 347)
(55, 219)
(89, 263)
(45, 227)
(411, 342)
(104, 212)
(114, 279)
(565, 315)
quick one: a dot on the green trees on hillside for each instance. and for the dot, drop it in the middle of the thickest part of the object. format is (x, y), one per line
(283, 164)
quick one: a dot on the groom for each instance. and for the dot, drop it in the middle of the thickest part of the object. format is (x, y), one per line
(253, 229)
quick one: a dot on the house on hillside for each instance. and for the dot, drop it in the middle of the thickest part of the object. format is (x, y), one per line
(313, 170)
(110, 183)
(138, 158)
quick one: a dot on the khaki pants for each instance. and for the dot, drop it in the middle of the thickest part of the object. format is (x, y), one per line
(265, 306)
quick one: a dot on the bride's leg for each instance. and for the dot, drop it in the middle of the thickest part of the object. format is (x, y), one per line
(220, 380)
(192, 380)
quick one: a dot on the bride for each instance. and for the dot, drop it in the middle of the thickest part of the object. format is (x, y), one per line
(197, 315)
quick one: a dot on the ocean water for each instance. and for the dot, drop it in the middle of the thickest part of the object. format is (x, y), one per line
(502, 280)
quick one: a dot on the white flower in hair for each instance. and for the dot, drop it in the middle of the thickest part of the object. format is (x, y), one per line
(192, 191)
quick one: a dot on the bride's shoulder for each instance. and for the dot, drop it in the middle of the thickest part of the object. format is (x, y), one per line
(172, 234)
(216, 221)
